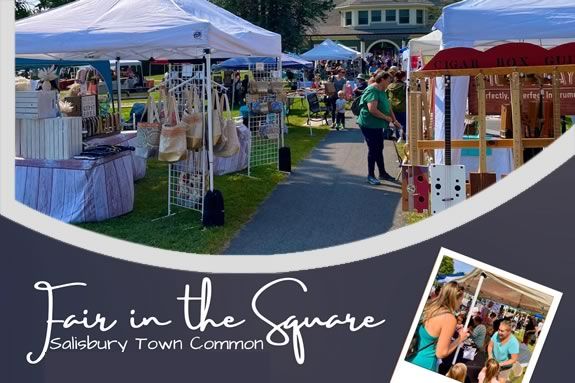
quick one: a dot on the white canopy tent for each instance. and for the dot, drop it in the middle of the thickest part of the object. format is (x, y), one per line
(504, 291)
(482, 24)
(133, 29)
(427, 45)
(328, 50)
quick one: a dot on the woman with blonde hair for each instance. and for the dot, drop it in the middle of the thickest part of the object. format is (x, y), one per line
(438, 324)
(490, 373)
(458, 372)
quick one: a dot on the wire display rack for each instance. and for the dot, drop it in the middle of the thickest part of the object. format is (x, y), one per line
(266, 128)
(188, 179)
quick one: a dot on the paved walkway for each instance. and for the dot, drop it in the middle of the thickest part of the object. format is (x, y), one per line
(326, 201)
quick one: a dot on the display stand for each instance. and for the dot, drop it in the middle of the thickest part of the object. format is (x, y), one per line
(483, 66)
(266, 128)
(188, 180)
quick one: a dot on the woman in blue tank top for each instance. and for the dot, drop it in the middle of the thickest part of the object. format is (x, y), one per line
(437, 327)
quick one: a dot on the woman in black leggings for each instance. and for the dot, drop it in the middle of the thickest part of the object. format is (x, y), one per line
(374, 117)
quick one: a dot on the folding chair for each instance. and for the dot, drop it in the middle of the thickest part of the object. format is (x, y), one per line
(315, 110)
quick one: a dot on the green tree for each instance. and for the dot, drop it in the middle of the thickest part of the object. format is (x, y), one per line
(22, 9)
(289, 18)
(435, 11)
(49, 4)
(446, 266)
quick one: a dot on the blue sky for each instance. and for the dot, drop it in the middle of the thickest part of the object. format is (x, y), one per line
(462, 267)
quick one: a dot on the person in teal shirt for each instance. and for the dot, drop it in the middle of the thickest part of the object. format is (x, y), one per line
(504, 348)
(437, 327)
(375, 116)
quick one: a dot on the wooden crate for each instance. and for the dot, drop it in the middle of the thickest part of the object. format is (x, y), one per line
(49, 138)
(84, 106)
(40, 104)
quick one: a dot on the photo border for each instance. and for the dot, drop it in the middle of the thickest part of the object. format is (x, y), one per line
(406, 371)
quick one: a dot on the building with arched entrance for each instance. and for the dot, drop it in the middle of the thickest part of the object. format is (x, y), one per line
(375, 26)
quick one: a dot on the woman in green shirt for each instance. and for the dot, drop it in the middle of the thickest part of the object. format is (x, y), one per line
(374, 117)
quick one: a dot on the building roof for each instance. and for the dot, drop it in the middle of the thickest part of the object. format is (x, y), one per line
(359, 3)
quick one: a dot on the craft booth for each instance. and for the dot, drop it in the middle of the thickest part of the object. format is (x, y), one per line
(522, 76)
(186, 127)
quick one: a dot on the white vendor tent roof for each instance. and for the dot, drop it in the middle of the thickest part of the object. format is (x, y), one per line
(328, 50)
(427, 45)
(505, 291)
(134, 29)
(473, 23)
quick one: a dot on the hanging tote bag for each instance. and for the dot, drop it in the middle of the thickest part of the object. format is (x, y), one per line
(217, 121)
(173, 145)
(232, 142)
(193, 119)
(148, 133)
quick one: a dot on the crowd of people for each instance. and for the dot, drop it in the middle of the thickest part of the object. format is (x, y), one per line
(491, 333)
(379, 86)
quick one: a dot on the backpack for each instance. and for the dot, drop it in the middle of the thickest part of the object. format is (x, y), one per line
(413, 349)
(356, 106)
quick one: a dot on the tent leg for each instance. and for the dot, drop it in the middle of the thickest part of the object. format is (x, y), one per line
(119, 88)
(213, 200)
(468, 319)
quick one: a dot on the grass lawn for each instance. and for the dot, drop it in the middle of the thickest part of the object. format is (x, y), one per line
(183, 231)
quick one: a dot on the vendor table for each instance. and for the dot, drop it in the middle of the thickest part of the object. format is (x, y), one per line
(77, 191)
(124, 138)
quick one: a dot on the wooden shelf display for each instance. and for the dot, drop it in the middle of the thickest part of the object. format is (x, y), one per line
(49, 138)
(36, 104)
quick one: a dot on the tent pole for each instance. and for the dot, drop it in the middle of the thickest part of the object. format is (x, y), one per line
(208, 57)
(468, 319)
(119, 87)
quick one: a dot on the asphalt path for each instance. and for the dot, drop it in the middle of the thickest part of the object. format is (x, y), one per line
(326, 201)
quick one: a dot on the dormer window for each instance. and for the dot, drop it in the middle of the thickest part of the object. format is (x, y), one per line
(348, 19)
(390, 15)
(404, 16)
(419, 16)
(376, 16)
(362, 17)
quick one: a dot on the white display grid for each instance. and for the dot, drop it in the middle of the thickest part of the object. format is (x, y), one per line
(188, 179)
(265, 128)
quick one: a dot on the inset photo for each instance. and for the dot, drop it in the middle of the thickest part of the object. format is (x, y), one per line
(476, 324)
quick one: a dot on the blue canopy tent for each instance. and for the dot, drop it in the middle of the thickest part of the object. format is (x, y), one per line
(102, 66)
(328, 50)
(245, 62)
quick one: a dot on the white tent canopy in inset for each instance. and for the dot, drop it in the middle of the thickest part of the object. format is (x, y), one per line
(328, 50)
(133, 29)
(504, 291)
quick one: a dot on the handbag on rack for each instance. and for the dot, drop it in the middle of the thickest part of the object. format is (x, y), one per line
(276, 107)
(232, 141)
(262, 87)
(193, 119)
(276, 86)
(217, 120)
(173, 146)
(259, 107)
(148, 133)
